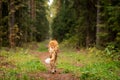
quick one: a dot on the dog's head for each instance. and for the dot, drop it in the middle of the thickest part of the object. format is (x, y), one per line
(53, 46)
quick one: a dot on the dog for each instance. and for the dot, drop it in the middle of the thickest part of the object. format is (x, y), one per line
(53, 49)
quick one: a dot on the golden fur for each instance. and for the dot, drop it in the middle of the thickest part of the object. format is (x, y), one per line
(53, 49)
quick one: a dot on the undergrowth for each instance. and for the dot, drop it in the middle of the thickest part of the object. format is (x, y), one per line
(86, 64)
(17, 64)
(89, 64)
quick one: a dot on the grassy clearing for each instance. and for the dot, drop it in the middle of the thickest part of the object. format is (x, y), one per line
(15, 65)
(89, 65)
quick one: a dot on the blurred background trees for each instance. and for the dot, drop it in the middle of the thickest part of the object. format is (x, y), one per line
(87, 23)
(22, 21)
(82, 23)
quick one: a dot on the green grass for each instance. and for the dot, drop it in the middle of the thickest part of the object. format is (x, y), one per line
(100, 71)
(43, 46)
(26, 63)
(16, 65)
(90, 65)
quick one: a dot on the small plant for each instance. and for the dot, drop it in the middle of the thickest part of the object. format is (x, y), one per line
(112, 52)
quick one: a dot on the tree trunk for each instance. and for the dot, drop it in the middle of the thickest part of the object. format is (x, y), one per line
(11, 23)
(0, 20)
(33, 7)
(90, 19)
(33, 17)
(88, 28)
(97, 26)
(88, 24)
(0, 11)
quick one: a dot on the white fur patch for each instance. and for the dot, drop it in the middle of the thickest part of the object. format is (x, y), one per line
(47, 60)
(51, 50)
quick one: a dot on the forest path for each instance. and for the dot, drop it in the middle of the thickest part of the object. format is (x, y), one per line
(59, 75)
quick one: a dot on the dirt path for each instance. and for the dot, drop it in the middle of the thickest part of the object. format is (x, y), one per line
(49, 76)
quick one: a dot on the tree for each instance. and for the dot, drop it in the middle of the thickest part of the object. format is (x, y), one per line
(0, 22)
(32, 6)
(86, 22)
(41, 24)
(11, 23)
(98, 24)
(22, 21)
(75, 22)
(90, 22)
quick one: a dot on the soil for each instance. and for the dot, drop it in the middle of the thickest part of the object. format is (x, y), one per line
(59, 75)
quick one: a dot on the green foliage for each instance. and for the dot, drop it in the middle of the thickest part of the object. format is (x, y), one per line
(110, 20)
(41, 24)
(70, 24)
(43, 46)
(68, 68)
(89, 64)
(99, 71)
(71, 42)
(15, 65)
(112, 52)
(76, 21)
(63, 22)
(26, 63)
(28, 29)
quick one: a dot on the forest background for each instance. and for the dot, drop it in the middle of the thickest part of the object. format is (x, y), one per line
(83, 23)
(88, 32)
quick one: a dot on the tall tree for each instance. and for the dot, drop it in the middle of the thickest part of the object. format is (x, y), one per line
(0, 12)
(33, 17)
(11, 23)
(98, 24)
(0, 22)
(90, 22)
(74, 22)
(41, 24)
